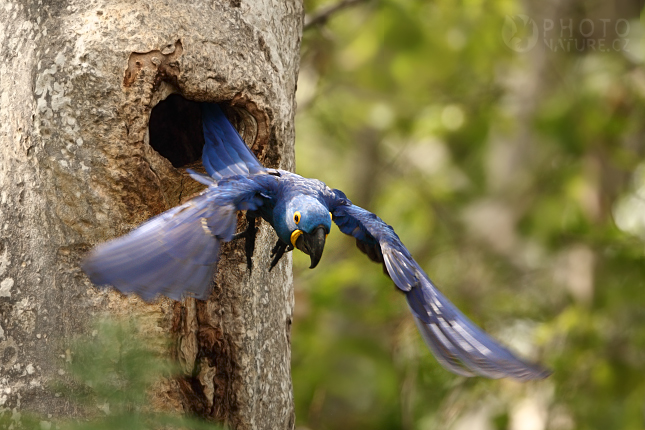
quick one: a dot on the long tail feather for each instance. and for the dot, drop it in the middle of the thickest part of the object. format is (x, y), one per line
(225, 153)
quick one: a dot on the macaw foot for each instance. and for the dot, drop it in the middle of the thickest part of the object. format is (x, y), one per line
(249, 234)
(278, 251)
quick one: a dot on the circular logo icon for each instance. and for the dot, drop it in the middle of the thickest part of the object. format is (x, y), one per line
(520, 33)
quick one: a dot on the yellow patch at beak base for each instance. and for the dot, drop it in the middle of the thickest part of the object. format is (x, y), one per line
(294, 236)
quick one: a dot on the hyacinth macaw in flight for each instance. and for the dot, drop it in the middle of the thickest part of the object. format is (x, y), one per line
(175, 253)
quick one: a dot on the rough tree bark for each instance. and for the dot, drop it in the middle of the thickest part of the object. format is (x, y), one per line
(78, 165)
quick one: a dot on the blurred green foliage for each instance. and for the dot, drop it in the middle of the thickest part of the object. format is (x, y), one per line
(505, 174)
(112, 373)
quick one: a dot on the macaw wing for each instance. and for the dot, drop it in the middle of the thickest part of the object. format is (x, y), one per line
(175, 253)
(457, 343)
(225, 153)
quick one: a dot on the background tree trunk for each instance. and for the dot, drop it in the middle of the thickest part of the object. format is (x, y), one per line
(78, 85)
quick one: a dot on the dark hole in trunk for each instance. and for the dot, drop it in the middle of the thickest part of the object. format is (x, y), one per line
(176, 130)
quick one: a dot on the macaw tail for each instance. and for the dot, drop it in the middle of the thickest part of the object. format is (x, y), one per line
(225, 153)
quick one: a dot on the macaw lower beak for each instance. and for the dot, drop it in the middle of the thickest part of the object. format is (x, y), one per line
(312, 244)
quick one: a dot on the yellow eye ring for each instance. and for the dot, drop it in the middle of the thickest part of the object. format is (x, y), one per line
(296, 217)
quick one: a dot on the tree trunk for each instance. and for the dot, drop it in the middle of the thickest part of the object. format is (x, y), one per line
(79, 165)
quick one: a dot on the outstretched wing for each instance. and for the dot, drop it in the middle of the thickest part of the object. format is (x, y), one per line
(457, 343)
(175, 253)
(225, 153)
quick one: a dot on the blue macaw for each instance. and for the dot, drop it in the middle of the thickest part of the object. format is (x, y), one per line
(175, 253)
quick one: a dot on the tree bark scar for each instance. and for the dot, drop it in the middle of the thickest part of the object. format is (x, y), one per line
(207, 388)
(164, 62)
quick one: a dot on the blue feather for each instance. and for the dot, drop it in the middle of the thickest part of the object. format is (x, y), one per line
(225, 153)
(175, 253)
(458, 344)
(156, 257)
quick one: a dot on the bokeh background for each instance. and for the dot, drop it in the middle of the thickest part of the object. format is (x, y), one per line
(504, 142)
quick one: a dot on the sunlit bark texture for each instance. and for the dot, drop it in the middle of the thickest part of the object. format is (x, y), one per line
(81, 162)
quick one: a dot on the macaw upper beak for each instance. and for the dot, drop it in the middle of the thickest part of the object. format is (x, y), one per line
(312, 244)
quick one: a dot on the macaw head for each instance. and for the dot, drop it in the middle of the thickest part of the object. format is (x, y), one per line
(307, 222)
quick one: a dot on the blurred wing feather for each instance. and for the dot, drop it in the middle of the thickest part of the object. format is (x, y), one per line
(175, 253)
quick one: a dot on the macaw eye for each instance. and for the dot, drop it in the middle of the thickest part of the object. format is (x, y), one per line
(296, 217)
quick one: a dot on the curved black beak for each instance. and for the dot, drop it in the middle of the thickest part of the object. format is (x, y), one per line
(313, 244)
